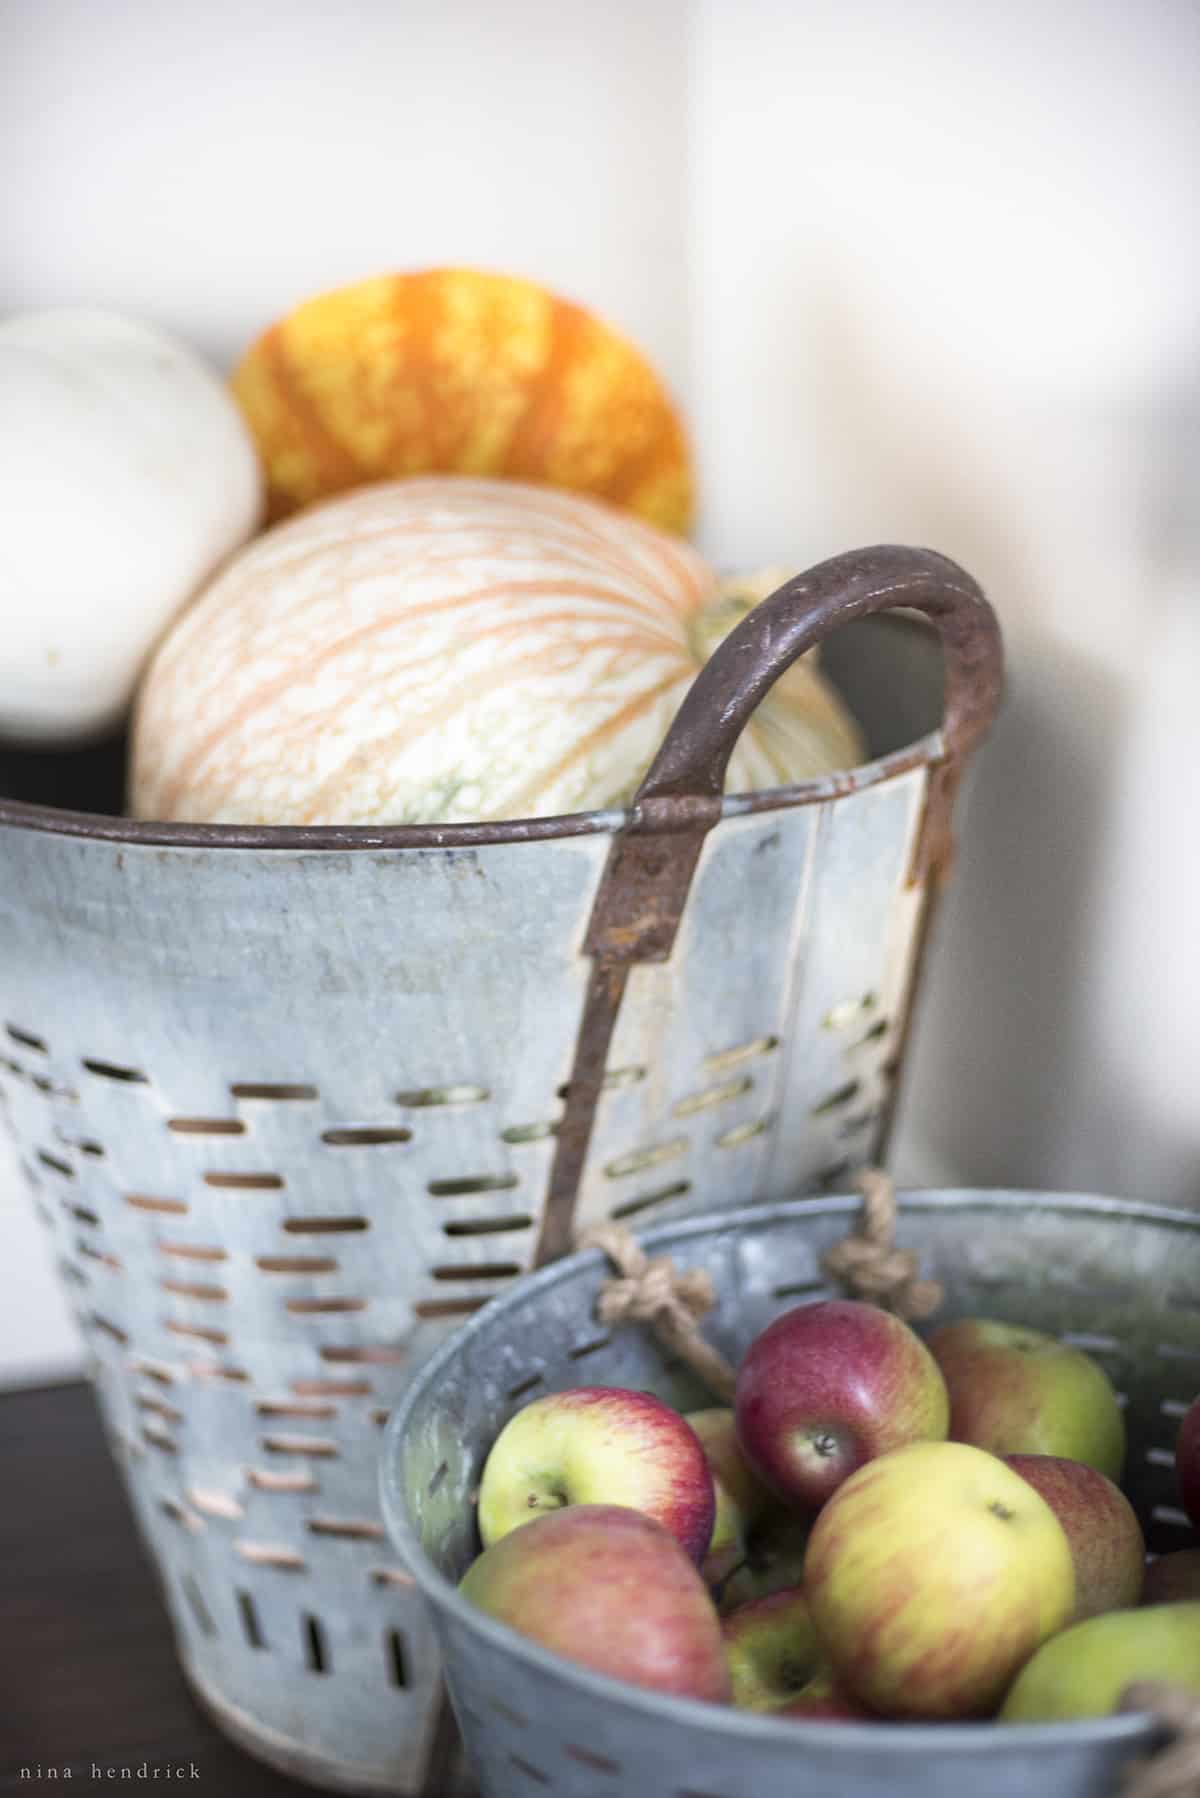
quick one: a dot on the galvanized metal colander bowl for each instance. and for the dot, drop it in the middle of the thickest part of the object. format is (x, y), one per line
(294, 1102)
(1120, 1279)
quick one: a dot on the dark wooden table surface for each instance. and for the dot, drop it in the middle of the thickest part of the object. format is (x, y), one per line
(88, 1677)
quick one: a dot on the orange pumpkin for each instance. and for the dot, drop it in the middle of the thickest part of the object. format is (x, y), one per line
(456, 371)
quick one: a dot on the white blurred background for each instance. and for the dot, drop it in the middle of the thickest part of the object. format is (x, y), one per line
(927, 273)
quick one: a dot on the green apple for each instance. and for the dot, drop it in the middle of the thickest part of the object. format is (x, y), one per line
(1173, 1578)
(932, 1575)
(774, 1559)
(740, 1497)
(1019, 1392)
(1101, 1526)
(599, 1445)
(611, 1589)
(772, 1650)
(1083, 1672)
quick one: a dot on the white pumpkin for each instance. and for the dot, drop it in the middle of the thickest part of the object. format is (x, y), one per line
(126, 476)
(446, 649)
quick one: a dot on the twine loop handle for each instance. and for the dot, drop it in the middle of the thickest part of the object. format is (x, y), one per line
(869, 1263)
(1175, 1771)
(670, 1300)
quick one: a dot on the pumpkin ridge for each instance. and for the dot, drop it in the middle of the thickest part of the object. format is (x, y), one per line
(689, 596)
(550, 657)
(263, 694)
(667, 436)
(632, 708)
(423, 295)
(415, 727)
(294, 399)
(543, 410)
(616, 594)
(559, 651)
(576, 543)
(545, 503)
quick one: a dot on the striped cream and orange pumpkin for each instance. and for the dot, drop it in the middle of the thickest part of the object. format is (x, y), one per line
(448, 649)
(459, 371)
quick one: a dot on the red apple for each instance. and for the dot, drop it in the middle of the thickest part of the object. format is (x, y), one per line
(1101, 1527)
(932, 1575)
(827, 1387)
(1187, 1463)
(741, 1498)
(1173, 1578)
(772, 1650)
(823, 1700)
(611, 1589)
(599, 1445)
(1020, 1392)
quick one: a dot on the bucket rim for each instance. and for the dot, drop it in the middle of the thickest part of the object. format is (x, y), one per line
(887, 1739)
(16, 814)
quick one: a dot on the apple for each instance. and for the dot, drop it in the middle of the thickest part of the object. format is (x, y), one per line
(823, 1699)
(717, 1430)
(1187, 1463)
(932, 1575)
(1105, 1536)
(740, 1497)
(774, 1559)
(772, 1650)
(599, 1445)
(825, 1388)
(1019, 1392)
(1083, 1672)
(1173, 1578)
(611, 1589)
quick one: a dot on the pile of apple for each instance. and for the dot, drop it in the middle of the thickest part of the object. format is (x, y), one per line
(879, 1528)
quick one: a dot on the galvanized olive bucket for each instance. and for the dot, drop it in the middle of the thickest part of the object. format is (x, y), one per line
(1120, 1279)
(295, 1102)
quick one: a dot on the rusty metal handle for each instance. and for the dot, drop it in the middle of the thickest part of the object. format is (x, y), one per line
(696, 750)
(645, 886)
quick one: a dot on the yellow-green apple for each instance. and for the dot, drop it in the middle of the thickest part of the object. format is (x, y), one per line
(1100, 1523)
(740, 1497)
(932, 1575)
(1083, 1672)
(825, 1388)
(771, 1647)
(1187, 1462)
(1173, 1578)
(599, 1445)
(822, 1699)
(774, 1559)
(1020, 1392)
(611, 1589)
